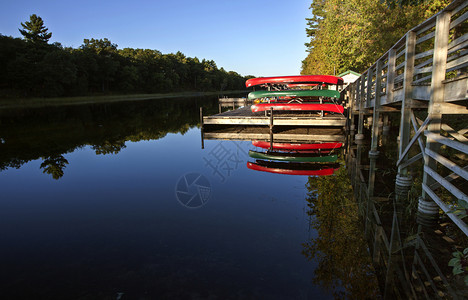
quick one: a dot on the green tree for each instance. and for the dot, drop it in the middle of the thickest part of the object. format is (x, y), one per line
(105, 53)
(34, 31)
(352, 34)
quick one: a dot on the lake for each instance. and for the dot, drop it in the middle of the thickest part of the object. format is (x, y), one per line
(120, 201)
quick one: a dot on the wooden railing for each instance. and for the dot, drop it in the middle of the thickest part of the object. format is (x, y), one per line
(425, 70)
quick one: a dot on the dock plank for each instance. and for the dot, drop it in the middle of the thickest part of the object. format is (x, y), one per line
(244, 116)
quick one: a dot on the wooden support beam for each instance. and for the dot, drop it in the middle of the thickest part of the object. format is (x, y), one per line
(415, 137)
(412, 160)
(405, 126)
(420, 141)
(452, 109)
(454, 133)
(389, 109)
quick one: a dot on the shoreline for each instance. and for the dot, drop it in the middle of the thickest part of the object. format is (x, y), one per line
(12, 103)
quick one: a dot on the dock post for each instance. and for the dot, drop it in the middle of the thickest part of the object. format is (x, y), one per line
(271, 128)
(360, 136)
(373, 153)
(201, 128)
(404, 179)
(201, 117)
(386, 125)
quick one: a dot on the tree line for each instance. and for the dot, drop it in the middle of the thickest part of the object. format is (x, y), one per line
(31, 66)
(353, 34)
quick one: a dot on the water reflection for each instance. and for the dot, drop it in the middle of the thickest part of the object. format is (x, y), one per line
(50, 133)
(112, 225)
(344, 267)
(295, 158)
(410, 251)
(339, 248)
(54, 165)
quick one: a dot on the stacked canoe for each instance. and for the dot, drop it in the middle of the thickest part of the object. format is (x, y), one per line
(316, 159)
(296, 93)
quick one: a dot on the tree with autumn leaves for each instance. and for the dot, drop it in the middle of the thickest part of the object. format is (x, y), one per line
(353, 34)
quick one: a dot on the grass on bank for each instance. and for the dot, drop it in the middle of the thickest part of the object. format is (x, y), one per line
(59, 101)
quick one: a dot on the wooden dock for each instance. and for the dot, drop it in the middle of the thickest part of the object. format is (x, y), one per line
(290, 134)
(244, 116)
(237, 101)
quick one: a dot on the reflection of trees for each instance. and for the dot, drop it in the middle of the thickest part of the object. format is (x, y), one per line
(340, 247)
(50, 132)
(108, 147)
(54, 166)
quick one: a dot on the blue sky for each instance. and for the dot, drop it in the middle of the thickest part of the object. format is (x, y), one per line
(251, 37)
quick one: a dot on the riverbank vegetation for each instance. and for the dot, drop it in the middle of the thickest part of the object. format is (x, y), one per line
(31, 67)
(352, 34)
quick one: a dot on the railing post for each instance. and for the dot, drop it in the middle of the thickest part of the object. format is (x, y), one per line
(369, 87)
(437, 90)
(390, 75)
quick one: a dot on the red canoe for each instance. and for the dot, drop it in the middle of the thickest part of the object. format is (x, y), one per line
(289, 146)
(320, 79)
(297, 107)
(321, 172)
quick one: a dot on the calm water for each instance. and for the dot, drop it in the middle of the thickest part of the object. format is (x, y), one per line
(120, 202)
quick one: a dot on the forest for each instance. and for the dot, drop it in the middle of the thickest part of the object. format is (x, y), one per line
(32, 67)
(353, 34)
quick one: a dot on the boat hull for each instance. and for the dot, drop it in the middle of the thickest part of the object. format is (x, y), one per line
(292, 157)
(297, 107)
(285, 171)
(297, 146)
(319, 79)
(294, 94)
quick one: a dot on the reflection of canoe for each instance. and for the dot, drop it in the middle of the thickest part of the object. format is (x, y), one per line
(298, 146)
(294, 94)
(293, 168)
(293, 157)
(327, 79)
(297, 107)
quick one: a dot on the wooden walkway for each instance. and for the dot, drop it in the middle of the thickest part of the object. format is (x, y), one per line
(244, 116)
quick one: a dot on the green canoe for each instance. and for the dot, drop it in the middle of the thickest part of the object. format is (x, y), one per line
(293, 157)
(294, 94)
